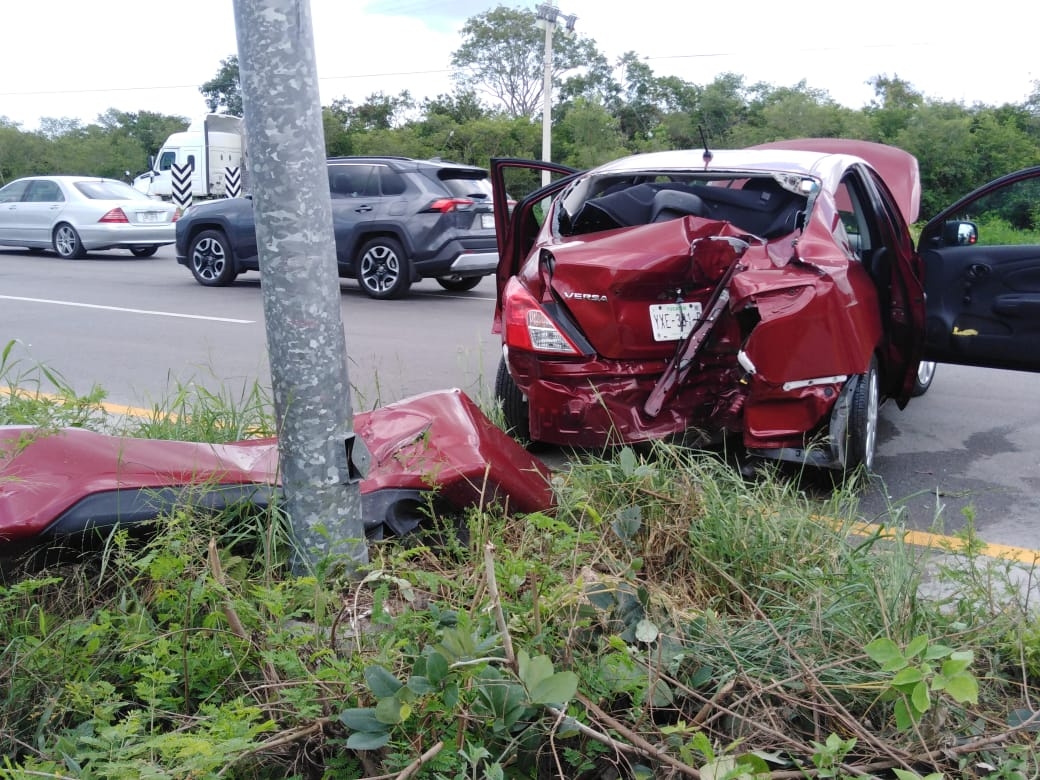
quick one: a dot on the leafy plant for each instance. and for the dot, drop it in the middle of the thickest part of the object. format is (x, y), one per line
(921, 670)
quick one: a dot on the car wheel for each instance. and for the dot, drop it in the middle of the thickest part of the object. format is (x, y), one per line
(514, 405)
(383, 270)
(863, 420)
(67, 242)
(209, 258)
(458, 283)
(143, 251)
(925, 375)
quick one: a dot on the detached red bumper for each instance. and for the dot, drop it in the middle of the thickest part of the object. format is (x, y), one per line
(59, 484)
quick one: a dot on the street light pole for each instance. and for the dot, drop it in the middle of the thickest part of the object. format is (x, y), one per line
(548, 15)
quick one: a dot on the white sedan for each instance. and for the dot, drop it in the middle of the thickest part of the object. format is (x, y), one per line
(74, 214)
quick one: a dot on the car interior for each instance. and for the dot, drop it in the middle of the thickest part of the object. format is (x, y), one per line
(762, 207)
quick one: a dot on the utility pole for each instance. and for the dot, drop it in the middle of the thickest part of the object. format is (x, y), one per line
(321, 460)
(548, 15)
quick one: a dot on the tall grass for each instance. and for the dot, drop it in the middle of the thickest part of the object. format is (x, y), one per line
(711, 624)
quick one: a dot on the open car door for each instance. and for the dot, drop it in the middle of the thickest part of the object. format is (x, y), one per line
(981, 260)
(517, 227)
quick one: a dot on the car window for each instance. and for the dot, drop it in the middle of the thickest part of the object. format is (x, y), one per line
(109, 189)
(391, 182)
(13, 192)
(341, 183)
(1007, 216)
(366, 180)
(42, 191)
(854, 223)
(166, 160)
(477, 189)
(354, 181)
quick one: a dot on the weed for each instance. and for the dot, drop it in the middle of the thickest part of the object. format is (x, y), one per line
(668, 618)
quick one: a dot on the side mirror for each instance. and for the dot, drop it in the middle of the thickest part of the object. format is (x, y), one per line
(958, 233)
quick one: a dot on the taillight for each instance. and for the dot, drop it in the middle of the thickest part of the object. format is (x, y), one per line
(527, 326)
(176, 214)
(444, 205)
(115, 215)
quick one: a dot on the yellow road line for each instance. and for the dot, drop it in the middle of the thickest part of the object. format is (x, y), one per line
(130, 411)
(950, 543)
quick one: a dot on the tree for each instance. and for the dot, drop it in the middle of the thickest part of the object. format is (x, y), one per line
(224, 91)
(589, 136)
(894, 105)
(503, 55)
(460, 106)
(147, 128)
(797, 112)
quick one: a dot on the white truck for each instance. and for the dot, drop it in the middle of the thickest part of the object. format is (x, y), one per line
(211, 143)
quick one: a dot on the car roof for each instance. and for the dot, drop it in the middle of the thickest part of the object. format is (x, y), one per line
(69, 179)
(410, 163)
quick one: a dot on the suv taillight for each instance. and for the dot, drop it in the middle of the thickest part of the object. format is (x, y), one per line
(444, 205)
(527, 326)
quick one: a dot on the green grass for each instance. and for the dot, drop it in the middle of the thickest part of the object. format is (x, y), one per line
(669, 618)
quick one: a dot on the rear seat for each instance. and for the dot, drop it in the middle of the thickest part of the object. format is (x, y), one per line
(766, 212)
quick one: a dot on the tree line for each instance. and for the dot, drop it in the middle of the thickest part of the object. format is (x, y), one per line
(601, 111)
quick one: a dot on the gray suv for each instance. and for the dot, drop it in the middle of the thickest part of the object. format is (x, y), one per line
(396, 220)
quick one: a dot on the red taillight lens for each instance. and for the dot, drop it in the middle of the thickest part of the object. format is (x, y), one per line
(527, 326)
(176, 214)
(444, 205)
(115, 215)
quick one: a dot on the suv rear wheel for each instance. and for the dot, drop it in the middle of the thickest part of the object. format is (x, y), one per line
(382, 269)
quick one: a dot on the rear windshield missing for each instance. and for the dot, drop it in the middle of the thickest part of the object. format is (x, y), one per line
(760, 205)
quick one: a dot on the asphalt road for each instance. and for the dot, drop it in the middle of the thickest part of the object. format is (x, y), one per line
(141, 329)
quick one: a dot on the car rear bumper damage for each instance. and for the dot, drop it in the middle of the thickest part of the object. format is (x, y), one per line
(72, 486)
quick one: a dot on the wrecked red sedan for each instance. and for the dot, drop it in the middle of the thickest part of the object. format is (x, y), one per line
(773, 293)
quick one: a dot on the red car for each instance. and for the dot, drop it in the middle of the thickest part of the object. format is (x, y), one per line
(773, 293)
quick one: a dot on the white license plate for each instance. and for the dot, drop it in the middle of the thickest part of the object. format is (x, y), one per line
(487, 221)
(149, 216)
(673, 321)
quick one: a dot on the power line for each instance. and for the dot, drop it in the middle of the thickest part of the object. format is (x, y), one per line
(197, 86)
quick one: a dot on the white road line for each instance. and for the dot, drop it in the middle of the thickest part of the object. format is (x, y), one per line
(128, 311)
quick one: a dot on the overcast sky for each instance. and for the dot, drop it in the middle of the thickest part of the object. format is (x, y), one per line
(78, 58)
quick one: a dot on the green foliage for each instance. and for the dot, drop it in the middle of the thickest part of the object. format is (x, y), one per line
(34, 394)
(502, 54)
(600, 111)
(921, 669)
(667, 610)
(223, 92)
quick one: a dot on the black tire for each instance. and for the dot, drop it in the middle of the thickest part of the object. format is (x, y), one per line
(458, 283)
(863, 420)
(925, 375)
(514, 405)
(382, 269)
(143, 251)
(67, 242)
(210, 261)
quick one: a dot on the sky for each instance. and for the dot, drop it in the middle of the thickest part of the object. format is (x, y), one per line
(79, 58)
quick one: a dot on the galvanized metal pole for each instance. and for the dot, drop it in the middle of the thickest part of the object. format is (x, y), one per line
(321, 460)
(550, 24)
